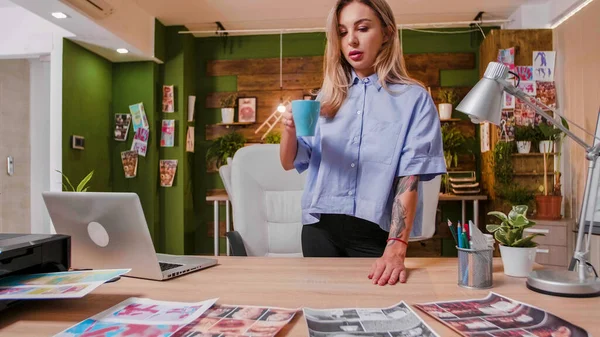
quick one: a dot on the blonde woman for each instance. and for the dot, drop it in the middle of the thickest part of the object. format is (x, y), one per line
(377, 137)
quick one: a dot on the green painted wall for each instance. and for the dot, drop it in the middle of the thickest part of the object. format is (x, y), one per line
(295, 45)
(87, 112)
(177, 212)
(135, 82)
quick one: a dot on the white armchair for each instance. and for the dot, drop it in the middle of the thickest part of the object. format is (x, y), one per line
(266, 203)
(266, 208)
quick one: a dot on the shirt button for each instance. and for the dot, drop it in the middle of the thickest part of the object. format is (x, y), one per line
(352, 165)
(349, 192)
(358, 112)
(366, 80)
(355, 139)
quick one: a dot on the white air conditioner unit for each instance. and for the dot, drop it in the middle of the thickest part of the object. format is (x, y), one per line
(97, 9)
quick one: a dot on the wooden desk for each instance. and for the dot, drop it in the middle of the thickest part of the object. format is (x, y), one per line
(463, 199)
(293, 283)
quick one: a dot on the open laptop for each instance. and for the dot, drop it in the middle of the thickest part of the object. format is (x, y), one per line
(109, 231)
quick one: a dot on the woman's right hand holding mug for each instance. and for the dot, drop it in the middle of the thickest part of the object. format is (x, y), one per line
(288, 121)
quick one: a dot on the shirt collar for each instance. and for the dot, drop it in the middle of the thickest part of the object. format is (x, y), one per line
(373, 79)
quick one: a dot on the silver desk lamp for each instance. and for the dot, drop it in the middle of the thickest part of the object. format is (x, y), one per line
(484, 104)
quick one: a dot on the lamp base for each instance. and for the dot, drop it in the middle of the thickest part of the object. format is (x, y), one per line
(563, 283)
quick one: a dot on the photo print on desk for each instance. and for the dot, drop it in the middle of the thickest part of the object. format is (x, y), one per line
(122, 122)
(75, 284)
(139, 317)
(168, 101)
(543, 65)
(140, 141)
(167, 135)
(129, 159)
(138, 116)
(168, 169)
(398, 321)
(497, 315)
(232, 320)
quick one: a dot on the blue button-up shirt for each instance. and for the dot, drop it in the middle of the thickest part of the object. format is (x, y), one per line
(375, 136)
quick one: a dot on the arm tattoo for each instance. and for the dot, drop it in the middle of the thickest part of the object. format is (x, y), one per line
(399, 211)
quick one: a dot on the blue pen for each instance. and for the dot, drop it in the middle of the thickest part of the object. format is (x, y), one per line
(458, 233)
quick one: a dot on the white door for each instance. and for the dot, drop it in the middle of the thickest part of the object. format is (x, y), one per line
(14, 144)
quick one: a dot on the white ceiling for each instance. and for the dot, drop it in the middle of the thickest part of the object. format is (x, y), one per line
(283, 14)
(6, 3)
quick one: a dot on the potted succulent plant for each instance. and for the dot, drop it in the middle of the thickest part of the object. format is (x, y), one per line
(517, 251)
(228, 107)
(448, 97)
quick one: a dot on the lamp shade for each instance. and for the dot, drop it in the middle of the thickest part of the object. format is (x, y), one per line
(484, 102)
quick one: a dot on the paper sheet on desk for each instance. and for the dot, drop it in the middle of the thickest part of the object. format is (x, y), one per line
(496, 315)
(72, 284)
(395, 321)
(139, 317)
(235, 320)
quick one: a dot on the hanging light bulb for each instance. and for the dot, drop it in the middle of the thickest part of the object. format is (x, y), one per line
(281, 108)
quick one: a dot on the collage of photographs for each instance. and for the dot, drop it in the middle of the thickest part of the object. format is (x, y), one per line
(396, 321)
(499, 316)
(141, 133)
(232, 320)
(537, 81)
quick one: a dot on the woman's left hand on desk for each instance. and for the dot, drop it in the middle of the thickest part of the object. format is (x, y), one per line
(389, 268)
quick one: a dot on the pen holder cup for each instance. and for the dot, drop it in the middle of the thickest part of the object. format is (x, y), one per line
(475, 268)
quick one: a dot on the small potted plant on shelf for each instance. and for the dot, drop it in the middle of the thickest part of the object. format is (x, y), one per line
(524, 136)
(455, 143)
(273, 137)
(448, 97)
(228, 107)
(517, 251)
(224, 147)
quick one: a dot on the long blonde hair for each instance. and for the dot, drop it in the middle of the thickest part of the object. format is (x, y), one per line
(389, 64)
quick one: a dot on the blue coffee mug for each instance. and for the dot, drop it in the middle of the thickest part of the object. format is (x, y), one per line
(306, 116)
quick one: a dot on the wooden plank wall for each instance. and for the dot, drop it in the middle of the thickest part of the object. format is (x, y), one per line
(525, 43)
(260, 78)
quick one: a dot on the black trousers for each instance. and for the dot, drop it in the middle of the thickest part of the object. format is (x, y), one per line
(337, 235)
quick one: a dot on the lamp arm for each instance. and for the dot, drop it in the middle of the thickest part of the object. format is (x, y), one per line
(511, 89)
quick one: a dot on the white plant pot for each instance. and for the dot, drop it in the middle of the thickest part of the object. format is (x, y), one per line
(524, 147)
(445, 111)
(517, 261)
(546, 146)
(227, 115)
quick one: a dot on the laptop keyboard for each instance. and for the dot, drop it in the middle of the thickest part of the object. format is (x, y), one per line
(166, 266)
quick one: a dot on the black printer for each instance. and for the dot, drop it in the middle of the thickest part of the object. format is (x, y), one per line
(33, 253)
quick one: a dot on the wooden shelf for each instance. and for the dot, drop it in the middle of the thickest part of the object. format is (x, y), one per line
(451, 120)
(532, 154)
(532, 174)
(234, 124)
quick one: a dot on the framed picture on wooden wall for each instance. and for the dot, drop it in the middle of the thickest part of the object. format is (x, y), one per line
(247, 109)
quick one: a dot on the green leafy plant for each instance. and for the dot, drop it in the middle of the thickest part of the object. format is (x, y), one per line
(229, 101)
(502, 163)
(526, 133)
(273, 138)
(510, 230)
(455, 143)
(448, 95)
(81, 187)
(515, 194)
(224, 147)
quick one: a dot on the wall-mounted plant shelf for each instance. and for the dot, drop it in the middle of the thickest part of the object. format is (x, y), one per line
(227, 125)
